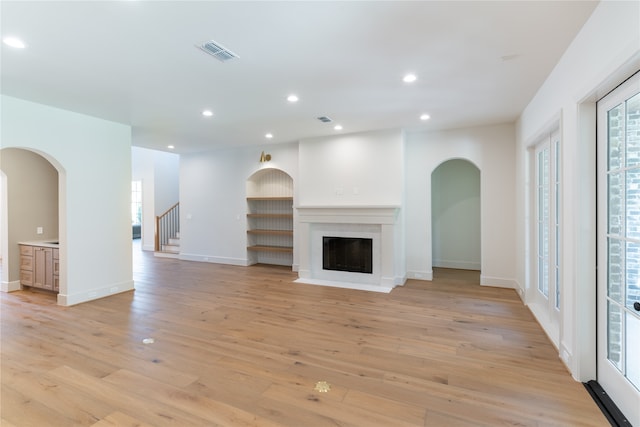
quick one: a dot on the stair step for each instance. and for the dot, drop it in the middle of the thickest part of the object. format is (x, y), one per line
(166, 255)
(171, 248)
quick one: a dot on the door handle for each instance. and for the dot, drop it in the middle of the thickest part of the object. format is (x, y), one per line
(636, 306)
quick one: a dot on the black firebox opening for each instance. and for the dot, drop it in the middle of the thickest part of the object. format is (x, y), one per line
(347, 254)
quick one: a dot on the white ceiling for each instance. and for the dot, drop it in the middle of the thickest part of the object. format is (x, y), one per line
(135, 62)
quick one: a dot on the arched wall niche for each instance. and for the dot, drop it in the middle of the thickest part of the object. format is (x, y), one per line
(270, 218)
(456, 214)
(33, 197)
(270, 182)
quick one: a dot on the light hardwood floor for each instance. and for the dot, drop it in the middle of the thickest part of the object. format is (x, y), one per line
(244, 346)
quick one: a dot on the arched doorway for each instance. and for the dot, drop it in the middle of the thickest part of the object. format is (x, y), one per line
(30, 205)
(455, 215)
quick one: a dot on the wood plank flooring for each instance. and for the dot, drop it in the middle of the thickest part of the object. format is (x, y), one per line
(244, 346)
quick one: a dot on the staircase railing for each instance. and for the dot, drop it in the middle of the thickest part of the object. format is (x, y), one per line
(167, 226)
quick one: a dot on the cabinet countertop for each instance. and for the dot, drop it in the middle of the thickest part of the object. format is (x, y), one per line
(52, 243)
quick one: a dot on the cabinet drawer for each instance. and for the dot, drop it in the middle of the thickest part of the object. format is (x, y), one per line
(26, 278)
(56, 283)
(26, 250)
(26, 263)
(56, 254)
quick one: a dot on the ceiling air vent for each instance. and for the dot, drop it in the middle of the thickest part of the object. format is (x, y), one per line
(325, 119)
(218, 51)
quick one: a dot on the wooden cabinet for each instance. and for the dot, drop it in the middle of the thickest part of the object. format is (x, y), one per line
(270, 228)
(26, 265)
(39, 267)
(56, 270)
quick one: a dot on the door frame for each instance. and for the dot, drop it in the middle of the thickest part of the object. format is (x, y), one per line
(624, 394)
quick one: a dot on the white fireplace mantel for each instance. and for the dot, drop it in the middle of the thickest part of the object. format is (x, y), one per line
(372, 221)
(349, 214)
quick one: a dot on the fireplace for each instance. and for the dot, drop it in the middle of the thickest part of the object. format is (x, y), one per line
(347, 254)
(348, 232)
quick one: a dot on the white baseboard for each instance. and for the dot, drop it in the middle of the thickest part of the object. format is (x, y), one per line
(420, 275)
(460, 265)
(498, 282)
(10, 286)
(96, 293)
(213, 259)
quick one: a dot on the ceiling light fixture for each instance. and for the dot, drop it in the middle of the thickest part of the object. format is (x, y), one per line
(292, 98)
(170, 147)
(268, 135)
(425, 117)
(338, 127)
(207, 113)
(409, 78)
(14, 42)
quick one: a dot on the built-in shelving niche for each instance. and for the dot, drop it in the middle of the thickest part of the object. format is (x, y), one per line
(270, 218)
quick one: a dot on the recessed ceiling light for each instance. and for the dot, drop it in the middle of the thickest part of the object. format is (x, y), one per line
(207, 113)
(425, 117)
(268, 135)
(338, 127)
(292, 98)
(14, 42)
(409, 78)
(170, 147)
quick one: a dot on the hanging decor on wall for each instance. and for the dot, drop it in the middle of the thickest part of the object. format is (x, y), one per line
(264, 157)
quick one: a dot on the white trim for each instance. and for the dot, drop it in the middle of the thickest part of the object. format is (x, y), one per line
(498, 282)
(244, 262)
(10, 286)
(345, 285)
(96, 293)
(460, 265)
(420, 275)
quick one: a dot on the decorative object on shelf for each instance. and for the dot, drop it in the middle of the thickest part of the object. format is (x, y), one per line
(264, 157)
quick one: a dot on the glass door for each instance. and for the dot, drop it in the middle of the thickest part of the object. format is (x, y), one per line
(618, 299)
(545, 296)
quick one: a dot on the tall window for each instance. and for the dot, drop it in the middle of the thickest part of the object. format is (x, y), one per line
(548, 219)
(623, 236)
(136, 202)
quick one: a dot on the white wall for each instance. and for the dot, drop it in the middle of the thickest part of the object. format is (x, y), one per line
(354, 169)
(213, 206)
(93, 159)
(603, 54)
(492, 150)
(159, 172)
(167, 180)
(3, 226)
